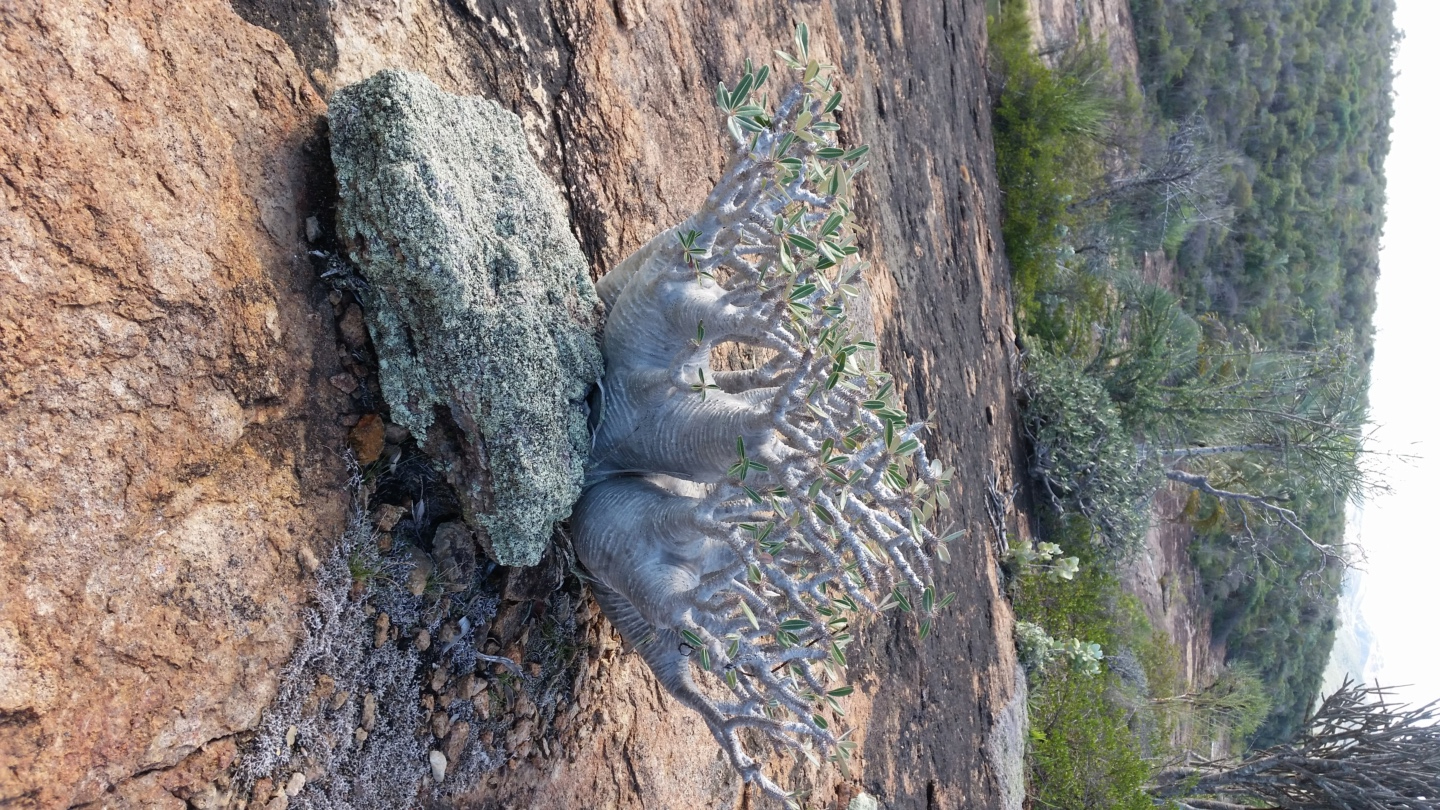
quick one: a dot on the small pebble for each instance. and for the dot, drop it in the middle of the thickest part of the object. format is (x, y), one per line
(422, 640)
(352, 327)
(455, 741)
(367, 712)
(290, 736)
(361, 735)
(387, 516)
(295, 785)
(345, 382)
(308, 560)
(382, 630)
(396, 434)
(437, 766)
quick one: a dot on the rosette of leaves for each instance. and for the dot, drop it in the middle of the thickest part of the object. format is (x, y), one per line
(737, 521)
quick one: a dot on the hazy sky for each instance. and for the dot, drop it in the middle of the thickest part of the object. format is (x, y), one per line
(1399, 531)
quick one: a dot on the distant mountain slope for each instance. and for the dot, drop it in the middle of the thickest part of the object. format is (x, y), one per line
(1300, 92)
(1301, 89)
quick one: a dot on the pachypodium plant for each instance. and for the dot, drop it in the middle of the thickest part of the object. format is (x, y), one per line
(736, 520)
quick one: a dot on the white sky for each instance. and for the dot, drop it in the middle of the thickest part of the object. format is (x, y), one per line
(1399, 532)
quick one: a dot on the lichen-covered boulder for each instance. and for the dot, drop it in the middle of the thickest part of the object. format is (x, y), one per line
(477, 297)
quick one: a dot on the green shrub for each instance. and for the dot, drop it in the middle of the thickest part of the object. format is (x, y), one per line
(1049, 126)
(1082, 456)
(1085, 751)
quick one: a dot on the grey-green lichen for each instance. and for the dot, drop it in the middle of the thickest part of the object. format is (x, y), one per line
(477, 297)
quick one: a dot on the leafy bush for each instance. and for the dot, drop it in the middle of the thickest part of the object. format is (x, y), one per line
(1083, 457)
(1048, 143)
(1083, 750)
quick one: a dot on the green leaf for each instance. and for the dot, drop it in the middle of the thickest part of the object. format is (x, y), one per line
(801, 242)
(802, 291)
(748, 124)
(823, 513)
(722, 96)
(837, 655)
(761, 76)
(742, 89)
(794, 625)
(907, 447)
(692, 639)
(857, 153)
(903, 601)
(831, 104)
(802, 39)
(829, 153)
(832, 224)
(924, 629)
(945, 602)
(841, 692)
(811, 71)
(927, 600)
(820, 721)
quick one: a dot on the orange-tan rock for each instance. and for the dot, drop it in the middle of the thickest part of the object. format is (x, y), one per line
(170, 440)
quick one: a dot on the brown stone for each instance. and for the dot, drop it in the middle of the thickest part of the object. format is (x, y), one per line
(367, 438)
(345, 382)
(169, 434)
(382, 629)
(455, 741)
(352, 327)
(387, 515)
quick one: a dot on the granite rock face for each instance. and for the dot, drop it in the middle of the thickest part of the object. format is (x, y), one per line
(477, 298)
(169, 451)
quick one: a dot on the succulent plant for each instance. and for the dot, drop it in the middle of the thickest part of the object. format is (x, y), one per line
(736, 520)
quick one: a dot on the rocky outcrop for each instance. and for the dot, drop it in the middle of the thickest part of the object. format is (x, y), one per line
(169, 386)
(169, 461)
(477, 296)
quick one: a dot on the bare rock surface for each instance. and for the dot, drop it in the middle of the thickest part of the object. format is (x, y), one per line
(170, 448)
(1057, 24)
(477, 296)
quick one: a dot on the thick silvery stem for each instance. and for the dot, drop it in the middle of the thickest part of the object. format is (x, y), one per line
(736, 521)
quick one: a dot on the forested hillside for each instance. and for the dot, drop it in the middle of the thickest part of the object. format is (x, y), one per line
(1300, 90)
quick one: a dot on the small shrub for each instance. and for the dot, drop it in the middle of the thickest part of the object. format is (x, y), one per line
(1083, 458)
